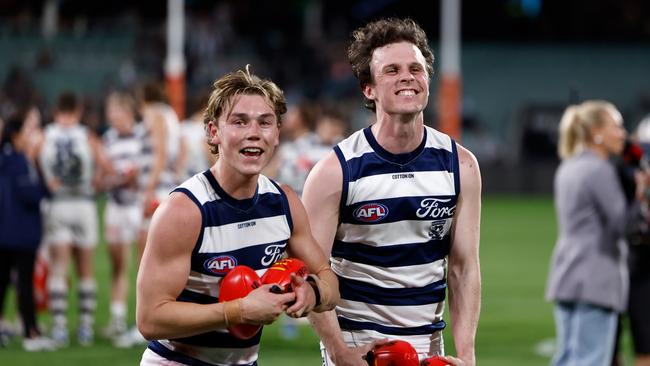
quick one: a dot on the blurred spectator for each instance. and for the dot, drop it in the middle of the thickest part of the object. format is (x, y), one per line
(21, 191)
(301, 148)
(588, 276)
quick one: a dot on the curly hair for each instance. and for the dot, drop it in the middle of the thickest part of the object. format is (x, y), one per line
(378, 34)
(241, 82)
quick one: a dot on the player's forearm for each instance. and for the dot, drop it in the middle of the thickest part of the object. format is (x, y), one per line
(464, 308)
(327, 328)
(182, 319)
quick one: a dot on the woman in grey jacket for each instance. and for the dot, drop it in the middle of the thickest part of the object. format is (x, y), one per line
(588, 274)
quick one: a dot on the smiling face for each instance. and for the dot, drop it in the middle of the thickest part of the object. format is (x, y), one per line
(400, 80)
(247, 134)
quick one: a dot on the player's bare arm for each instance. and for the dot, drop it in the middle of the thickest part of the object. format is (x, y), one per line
(164, 269)
(464, 278)
(321, 197)
(303, 245)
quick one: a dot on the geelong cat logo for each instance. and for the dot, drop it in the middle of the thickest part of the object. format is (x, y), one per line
(221, 264)
(371, 212)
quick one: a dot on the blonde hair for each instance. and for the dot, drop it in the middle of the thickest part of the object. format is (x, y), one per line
(241, 82)
(577, 122)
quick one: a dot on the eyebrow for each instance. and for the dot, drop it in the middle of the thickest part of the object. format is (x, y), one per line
(246, 115)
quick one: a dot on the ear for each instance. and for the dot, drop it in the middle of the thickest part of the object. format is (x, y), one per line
(276, 138)
(213, 130)
(368, 92)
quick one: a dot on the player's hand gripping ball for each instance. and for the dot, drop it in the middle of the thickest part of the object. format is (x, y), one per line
(280, 273)
(435, 361)
(238, 283)
(393, 353)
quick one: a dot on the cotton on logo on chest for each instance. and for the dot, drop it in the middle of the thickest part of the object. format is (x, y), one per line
(220, 264)
(371, 212)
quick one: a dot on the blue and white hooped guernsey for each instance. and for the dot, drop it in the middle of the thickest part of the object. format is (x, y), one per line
(253, 232)
(393, 237)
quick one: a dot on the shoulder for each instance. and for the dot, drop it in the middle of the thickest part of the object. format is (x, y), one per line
(327, 170)
(179, 213)
(470, 172)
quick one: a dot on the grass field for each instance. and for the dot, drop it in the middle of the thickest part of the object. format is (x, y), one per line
(516, 242)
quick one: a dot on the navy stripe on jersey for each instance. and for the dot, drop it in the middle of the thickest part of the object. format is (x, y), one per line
(221, 340)
(456, 166)
(189, 194)
(218, 214)
(404, 208)
(371, 163)
(347, 324)
(370, 294)
(392, 255)
(249, 256)
(285, 204)
(402, 159)
(183, 359)
(237, 204)
(346, 178)
(195, 297)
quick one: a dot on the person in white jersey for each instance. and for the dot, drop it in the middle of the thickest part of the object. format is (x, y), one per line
(69, 158)
(162, 145)
(229, 215)
(398, 211)
(123, 212)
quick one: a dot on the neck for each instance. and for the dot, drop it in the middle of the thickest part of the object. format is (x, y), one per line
(599, 150)
(238, 186)
(399, 134)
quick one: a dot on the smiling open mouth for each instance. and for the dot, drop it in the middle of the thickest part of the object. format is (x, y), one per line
(408, 92)
(251, 151)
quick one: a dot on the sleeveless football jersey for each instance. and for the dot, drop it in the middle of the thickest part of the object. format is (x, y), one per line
(172, 148)
(123, 151)
(67, 156)
(393, 237)
(252, 232)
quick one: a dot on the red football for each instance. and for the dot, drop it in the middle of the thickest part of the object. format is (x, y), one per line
(238, 283)
(280, 272)
(393, 353)
(435, 361)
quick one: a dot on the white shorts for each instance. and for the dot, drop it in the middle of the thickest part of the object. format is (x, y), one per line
(151, 358)
(426, 345)
(122, 222)
(71, 222)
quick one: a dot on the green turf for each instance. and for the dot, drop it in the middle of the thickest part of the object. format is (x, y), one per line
(517, 238)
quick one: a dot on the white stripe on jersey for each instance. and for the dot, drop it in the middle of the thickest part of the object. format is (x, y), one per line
(203, 284)
(391, 277)
(208, 285)
(200, 188)
(383, 186)
(203, 192)
(231, 356)
(392, 233)
(229, 237)
(358, 145)
(438, 140)
(401, 316)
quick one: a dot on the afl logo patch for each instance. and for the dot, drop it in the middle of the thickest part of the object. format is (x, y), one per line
(371, 212)
(220, 264)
